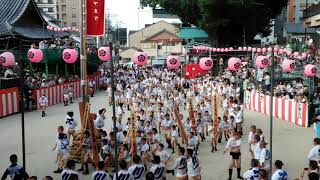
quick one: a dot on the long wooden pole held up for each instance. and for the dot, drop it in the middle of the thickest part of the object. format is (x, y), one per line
(180, 126)
(83, 51)
(191, 116)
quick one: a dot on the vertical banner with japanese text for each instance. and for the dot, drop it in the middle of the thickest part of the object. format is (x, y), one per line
(95, 18)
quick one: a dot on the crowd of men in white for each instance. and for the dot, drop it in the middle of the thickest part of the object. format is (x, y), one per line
(153, 94)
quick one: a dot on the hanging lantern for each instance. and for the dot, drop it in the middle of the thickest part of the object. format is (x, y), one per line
(259, 50)
(206, 63)
(269, 49)
(104, 53)
(70, 55)
(210, 49)
(173, 62)
(7, 59)
(281, 51)
(48, 27)
(35, 55)
(310, 70)
(218, 49)
(264, 50)
(288, 66)
(304, 55)
(222, 50)
(254, 49)
(234, 64)
(296, 54)
(140, 58)
(249, 48)
(231, 48)
(244, 48)
(214, 49)
(289, 53)
(240, 48)
(276, 49)
(262, 62)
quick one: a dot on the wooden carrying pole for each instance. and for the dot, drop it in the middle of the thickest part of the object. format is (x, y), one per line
(91, 119)
(180, 126)
(191, 116)
(133, 132)
(215, 114)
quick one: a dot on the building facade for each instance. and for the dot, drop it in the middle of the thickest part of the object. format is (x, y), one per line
(159, 40)
(296, 8)
(69, 12)
(48, 6)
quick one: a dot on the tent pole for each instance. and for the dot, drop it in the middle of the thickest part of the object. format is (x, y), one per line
(65, 70)
(47, 71)
(57, 69)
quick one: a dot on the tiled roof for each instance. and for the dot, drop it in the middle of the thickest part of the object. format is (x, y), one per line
(10, 12)
(192, 33)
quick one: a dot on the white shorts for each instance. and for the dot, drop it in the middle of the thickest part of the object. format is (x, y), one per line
(180, 175)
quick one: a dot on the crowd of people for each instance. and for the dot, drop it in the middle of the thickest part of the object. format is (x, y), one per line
(170, 117)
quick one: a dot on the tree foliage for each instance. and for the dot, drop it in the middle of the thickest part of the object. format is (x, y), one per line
(225, 20)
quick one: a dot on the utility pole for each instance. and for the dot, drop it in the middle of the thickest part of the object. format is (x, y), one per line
(83, 51)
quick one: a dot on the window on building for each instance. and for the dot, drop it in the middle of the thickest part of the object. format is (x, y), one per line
(73, 24)
(64, 16)
(171, 44)
(74, 15)
(64, 8)
(50, 1)
(50, 9)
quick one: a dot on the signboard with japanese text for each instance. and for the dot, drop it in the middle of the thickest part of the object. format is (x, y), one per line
(95, 18)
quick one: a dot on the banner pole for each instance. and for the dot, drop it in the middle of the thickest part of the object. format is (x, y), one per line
(83, 51)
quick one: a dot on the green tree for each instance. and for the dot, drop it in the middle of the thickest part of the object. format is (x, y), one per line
(225, 20)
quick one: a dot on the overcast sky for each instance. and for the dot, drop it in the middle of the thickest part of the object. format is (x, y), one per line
(129, 13)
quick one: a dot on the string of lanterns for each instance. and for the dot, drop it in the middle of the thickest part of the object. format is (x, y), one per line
(65, 29)
(70, 56)
(172, 62)
(262, 61)
(7, 59)
(277, 51)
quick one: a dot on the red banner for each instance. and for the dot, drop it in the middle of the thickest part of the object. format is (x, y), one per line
(95, 18)
(194, 70)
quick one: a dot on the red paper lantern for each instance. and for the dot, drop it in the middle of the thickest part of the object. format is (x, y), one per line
(206, 63)
(7, 59)
(310, 70)
(288, 66)
(35, 55)
(70, 55)
(104, 54)
(234, 64)
(173, 62)
(140, 58)
(262, 62)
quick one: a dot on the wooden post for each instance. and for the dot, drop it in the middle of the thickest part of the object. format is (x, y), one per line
(180, 126)
(133, 132)
(83, 61)
(191, 116)
(94, 139)
(215, 114)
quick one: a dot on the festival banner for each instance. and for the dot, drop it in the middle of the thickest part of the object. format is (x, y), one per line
(95, 18)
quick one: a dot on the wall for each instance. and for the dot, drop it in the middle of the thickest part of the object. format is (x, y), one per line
(135, 38)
